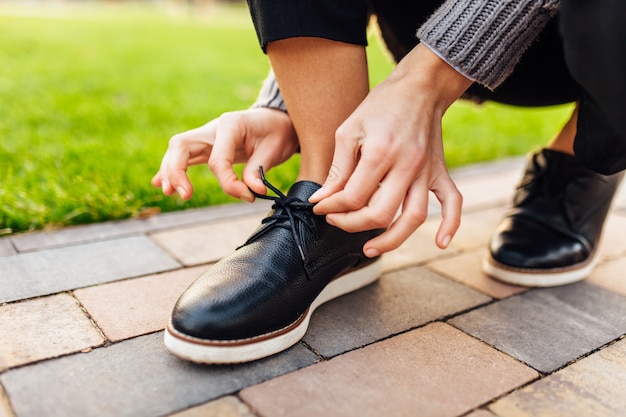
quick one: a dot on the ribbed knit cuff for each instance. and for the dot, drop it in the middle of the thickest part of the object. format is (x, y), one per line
(270, 95)
(485, 39)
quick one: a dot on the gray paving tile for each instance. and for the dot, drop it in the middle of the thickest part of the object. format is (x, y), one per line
(109, 230)
(55, 270)
(548, 328)
(399, 301)
(134, 378)
(593, 386)
(6, 247)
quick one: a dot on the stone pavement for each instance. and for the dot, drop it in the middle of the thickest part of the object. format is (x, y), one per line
(82, 311)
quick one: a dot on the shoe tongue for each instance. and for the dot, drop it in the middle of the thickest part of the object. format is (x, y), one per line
(303, 190)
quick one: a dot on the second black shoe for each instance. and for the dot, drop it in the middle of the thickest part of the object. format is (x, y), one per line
(258, 301)
(551, 234)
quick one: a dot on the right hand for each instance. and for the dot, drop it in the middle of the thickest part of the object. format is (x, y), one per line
(258, 137)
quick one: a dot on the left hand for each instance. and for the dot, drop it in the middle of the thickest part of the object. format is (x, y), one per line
(394, 157)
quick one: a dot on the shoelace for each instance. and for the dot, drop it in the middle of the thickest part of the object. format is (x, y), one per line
(286, 211)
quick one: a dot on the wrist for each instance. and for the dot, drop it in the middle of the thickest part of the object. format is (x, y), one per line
(424, 71)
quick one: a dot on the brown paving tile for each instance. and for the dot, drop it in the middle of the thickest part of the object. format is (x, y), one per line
(475, 230)
(229, 406)
(594, 386)
(131, 308)
(610, 275)
(418, 248)
(43, 328)
(613, 243)
(466, 268)
(207, 243)
(437, 370)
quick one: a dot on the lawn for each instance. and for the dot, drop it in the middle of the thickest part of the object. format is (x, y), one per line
(89, 98)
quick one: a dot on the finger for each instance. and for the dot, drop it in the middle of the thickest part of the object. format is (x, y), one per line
(174, 172)
(227, 139)
(414, 213)
(451, 208)
(347, 148)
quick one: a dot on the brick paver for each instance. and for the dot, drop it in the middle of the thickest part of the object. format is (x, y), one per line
(44, 328)
(466, 268)
(135, 378)
(426, 370)
(224, 407)
(398, 302)
(593, 386)
(547, 328)
(138, 306)
(47, 272)
(208, 243)
(82, 311)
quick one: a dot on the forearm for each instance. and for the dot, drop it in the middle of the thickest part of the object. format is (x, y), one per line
(485, 39)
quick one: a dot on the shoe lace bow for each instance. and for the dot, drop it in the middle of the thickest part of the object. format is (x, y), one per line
(285, 211)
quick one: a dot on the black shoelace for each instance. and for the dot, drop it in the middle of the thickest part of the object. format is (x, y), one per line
(285, 212)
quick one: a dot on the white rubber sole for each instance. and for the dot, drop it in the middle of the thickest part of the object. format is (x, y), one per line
(532, 278)
(236, 351)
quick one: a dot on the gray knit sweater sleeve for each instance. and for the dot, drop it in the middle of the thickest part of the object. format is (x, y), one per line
(270, 95)
(485, 39)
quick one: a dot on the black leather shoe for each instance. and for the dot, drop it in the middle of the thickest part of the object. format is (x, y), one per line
(258, 301)
(550, 235)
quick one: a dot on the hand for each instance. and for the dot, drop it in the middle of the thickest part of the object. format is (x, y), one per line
(261, 137)
(389, 153)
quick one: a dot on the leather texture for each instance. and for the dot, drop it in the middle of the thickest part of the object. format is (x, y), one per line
(265, 285)
(558, 214)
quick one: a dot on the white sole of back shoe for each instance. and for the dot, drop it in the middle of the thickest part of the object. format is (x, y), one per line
(245, 350)
(538, 278)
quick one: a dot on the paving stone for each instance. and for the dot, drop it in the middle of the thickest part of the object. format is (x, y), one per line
(400, 301)
(613, 243)
(418, 248)
(436, 369)
(475, 230)
(466, 268)
(610, 275)
(55, 270)
(548, 328)
(6, 247)
(229, 406)
(594, 386)
(44, 328)
(138, 306)
(494, 184)
(207, 243)
(134, 378)
(115, 229)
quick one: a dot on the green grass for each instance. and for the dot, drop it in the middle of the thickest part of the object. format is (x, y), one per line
(88, 101)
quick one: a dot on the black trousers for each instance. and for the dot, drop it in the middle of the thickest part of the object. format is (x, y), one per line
(580, 55)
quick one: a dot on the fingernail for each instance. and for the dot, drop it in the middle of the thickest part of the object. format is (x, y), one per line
(446, 241)
(330, 221)
(247, 196)
(371, 252)
(315, 194)
(181, 191)
(165, 185)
